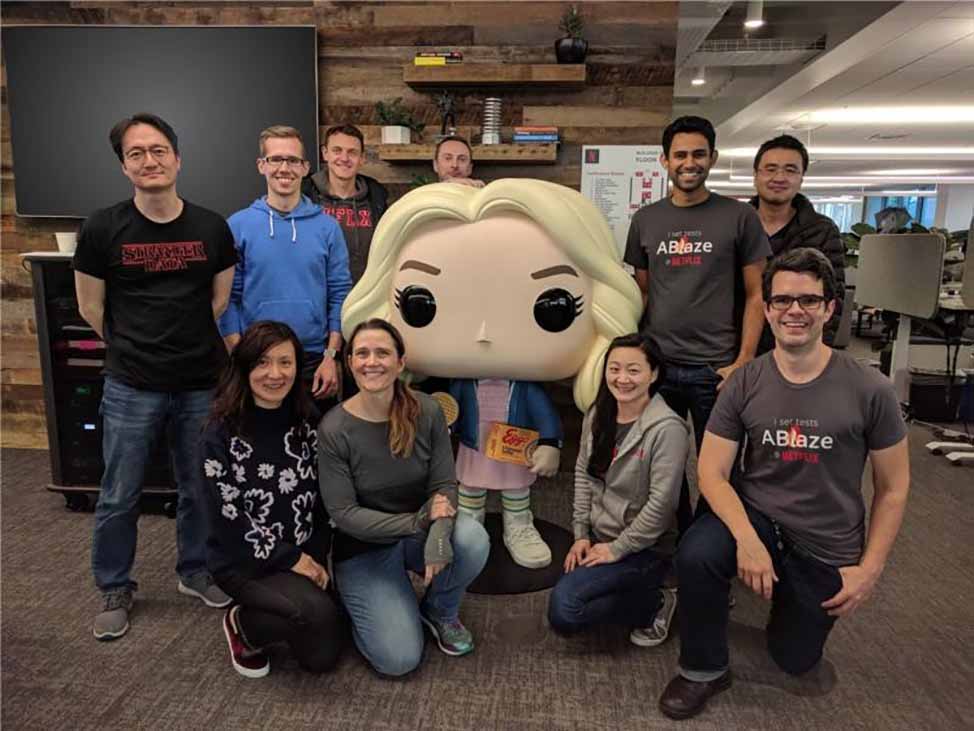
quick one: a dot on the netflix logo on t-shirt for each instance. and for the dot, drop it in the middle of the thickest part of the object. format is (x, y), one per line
(350, 217)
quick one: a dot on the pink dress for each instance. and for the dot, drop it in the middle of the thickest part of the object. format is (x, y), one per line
(474, 469)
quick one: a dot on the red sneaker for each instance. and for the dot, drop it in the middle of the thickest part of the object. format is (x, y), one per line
(249, 663)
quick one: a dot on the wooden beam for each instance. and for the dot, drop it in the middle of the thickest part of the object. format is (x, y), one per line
(495, 74)
(565, 116)
(502, 154)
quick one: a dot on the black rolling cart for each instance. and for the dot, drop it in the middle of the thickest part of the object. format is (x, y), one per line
(72, 356)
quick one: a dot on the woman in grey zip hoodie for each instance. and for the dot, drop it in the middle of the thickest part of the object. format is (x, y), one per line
(627, 483)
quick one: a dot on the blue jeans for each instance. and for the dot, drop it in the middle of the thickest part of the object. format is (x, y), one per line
(798, 626)
(625, 592)
(133, 420)
(693, 390)
(381, 602)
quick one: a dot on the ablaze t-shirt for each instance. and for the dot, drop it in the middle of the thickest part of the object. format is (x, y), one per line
(694, 256)
(159, 329)
(805, 446)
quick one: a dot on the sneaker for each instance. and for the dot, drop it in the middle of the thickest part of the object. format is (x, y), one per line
(523, 541)
(202, 587)
(452, 637)
(113, 621)
(249, 663)
(659, 630)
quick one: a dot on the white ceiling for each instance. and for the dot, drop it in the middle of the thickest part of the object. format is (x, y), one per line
(918, 55)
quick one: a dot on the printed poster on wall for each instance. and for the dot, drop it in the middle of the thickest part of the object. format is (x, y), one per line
(621, 179)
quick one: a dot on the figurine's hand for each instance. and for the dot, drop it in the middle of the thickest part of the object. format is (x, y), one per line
(544, 461)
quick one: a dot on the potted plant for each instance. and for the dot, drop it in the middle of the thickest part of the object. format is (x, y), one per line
(397, 122)
(572, 47)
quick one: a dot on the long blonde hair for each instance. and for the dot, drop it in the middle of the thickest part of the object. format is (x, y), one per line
(574, 223)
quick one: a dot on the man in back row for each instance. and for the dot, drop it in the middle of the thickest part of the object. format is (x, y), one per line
(690, 252)
(152, 274)
(293, 262)
(356, 201)
(790, 220)
(453, 162)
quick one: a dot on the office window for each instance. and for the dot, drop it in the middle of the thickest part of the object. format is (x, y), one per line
(844, 215)
(921, 208)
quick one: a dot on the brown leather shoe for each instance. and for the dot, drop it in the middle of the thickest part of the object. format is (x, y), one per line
(685, 698)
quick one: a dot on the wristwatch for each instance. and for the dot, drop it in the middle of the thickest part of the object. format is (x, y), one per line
(330, 353)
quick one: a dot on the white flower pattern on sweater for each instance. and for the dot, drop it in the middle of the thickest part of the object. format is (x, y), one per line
(254, 504)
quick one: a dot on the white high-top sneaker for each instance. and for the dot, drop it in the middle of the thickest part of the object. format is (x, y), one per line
(523, 540)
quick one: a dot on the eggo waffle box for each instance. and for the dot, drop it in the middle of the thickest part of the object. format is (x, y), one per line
(507, 443)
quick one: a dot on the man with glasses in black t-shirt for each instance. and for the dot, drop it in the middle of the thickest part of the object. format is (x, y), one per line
(152, 274)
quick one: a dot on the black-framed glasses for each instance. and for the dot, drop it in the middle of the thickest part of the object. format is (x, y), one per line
(808, 302)
(276, 161)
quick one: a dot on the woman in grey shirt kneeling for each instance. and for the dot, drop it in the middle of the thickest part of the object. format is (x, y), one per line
(385, 468)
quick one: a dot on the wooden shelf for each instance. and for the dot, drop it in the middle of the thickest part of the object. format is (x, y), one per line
(519, 154)
(495, 74)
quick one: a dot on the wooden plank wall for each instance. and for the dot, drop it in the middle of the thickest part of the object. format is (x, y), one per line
(362, 47)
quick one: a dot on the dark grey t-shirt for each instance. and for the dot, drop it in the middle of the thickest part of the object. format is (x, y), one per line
(805, 448)
(694, 256)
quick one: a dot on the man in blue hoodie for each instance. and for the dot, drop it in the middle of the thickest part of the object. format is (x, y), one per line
(293, 262)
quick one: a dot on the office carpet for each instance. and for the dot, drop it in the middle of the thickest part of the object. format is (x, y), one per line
(905, 661)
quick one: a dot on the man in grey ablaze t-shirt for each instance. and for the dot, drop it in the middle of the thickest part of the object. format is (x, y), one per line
(781, 467)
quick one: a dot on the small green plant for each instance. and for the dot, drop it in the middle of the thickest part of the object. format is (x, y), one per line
(394, 114)
(418, 181)
(571, 23)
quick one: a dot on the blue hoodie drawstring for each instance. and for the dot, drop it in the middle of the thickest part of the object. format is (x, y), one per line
(294, 229)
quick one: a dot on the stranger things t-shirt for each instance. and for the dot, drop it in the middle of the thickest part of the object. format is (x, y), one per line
(159, 328)
(694, 256)
(805, 446)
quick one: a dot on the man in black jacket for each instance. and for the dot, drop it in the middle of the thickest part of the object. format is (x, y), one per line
(356, 201)
(789, 218)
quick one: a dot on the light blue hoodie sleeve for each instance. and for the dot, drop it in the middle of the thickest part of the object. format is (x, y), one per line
(338, 278)
(230, 321)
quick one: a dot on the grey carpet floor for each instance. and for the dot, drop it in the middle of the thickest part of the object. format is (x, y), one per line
(905, 661)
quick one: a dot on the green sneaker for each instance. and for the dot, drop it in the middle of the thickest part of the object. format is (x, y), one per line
(452, 637)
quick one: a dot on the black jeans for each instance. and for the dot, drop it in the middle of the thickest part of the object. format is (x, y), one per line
(287, 607)
(798, 626)
(690, 389)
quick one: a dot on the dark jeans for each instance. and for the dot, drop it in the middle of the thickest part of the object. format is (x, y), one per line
(625, 592)
(693, 390)
(287, 607)
(798, 626)
(133, 420)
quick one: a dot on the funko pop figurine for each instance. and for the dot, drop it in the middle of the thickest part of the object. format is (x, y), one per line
(499, 289)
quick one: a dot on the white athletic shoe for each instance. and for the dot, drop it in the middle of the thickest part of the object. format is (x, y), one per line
(523, 541)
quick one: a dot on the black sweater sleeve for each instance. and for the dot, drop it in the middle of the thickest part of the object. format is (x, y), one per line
(236, 537)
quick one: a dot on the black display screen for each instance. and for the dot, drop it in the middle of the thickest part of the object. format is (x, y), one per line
(217, 86)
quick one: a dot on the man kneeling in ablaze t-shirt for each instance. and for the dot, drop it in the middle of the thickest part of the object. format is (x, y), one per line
(790, 521)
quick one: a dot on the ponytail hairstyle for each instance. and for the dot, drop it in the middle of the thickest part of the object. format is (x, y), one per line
(233, 400)
(404, 411)
(606, 409)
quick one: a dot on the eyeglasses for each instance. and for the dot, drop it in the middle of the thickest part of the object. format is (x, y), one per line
(138, 154)
(276, 161)
(808, 302)
(769, 171)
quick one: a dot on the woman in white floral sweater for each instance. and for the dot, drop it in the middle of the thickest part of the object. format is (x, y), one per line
(269, 533)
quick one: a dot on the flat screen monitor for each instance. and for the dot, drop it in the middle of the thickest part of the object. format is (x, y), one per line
(217, 86)
(901, 272)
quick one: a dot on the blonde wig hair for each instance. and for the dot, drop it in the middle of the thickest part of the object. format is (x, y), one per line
(571, 220)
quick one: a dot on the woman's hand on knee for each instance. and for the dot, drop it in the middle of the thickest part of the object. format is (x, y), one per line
(441, 508)
(307, 566)
(577, 554)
